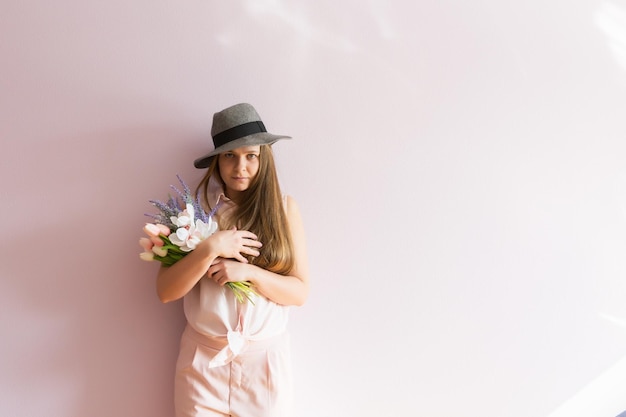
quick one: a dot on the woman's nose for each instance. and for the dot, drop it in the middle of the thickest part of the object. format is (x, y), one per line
(241, 164)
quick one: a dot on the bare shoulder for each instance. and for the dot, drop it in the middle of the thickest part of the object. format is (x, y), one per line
(290, 203)
(292, 209)
(296, 225)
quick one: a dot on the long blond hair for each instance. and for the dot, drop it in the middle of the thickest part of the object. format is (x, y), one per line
(260, 211)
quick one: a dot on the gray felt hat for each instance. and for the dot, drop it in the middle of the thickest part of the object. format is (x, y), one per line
(234, 127)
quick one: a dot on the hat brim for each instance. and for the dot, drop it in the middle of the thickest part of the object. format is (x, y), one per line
(262, 138)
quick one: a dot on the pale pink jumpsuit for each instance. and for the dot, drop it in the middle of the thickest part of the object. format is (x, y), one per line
(234, 357)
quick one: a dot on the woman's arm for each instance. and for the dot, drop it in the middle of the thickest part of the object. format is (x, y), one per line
(292, 289)
(177, 280)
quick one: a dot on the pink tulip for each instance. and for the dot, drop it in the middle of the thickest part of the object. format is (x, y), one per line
(146, 256)
(146, 244)
(151, 229)
(159, 251)
(156, 241)
(163, 229)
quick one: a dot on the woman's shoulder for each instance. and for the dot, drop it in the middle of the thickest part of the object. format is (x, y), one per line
(290, 205)
(288, 200)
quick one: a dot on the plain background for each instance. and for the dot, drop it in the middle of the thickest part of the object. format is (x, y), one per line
(460, 167)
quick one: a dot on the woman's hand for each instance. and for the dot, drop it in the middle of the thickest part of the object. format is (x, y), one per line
(234, 244)
(228, 270)
(177, 280)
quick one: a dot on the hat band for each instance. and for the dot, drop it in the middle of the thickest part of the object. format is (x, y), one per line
(237, 132)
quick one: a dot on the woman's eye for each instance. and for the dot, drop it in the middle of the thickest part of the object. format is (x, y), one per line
(252, 156)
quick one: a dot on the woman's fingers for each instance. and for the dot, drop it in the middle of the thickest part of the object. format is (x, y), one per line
(237, 244)
(252, 243)
(240, 258)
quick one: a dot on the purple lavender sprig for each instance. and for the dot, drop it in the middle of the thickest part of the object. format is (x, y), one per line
(200, 213)
(166, 210)
(175, 205)
(185, 194)
(187, 197)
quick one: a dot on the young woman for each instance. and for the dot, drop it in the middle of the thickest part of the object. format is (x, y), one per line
(234, 356)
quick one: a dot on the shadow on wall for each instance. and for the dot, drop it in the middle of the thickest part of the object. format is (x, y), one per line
(87, 334)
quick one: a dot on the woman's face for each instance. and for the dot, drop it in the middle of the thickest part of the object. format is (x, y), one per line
(237, 169)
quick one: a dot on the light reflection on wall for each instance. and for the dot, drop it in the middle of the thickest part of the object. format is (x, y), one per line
(605, 395)
(611, 19)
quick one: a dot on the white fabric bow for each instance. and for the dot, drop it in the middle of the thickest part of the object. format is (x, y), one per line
(237, 343)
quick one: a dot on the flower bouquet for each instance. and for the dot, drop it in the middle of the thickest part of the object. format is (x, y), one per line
(176, 231)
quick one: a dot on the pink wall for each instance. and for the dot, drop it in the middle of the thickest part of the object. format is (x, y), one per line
(460, 168)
